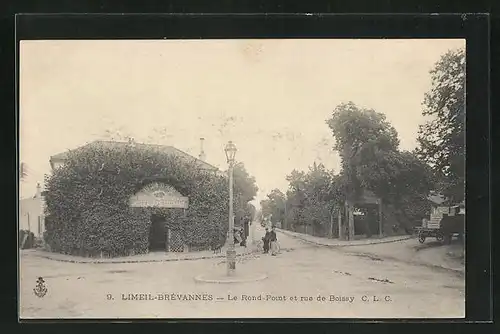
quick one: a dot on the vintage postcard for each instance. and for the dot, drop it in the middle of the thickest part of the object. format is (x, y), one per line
(242, 178)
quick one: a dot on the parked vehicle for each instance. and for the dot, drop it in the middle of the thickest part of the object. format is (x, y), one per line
(445, 222)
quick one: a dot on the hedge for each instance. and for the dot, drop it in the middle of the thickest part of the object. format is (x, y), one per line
(87, 201)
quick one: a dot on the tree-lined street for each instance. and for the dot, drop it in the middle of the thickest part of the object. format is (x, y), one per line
(301, 270)
(134, 222)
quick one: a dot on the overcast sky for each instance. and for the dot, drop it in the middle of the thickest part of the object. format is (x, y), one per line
(271, 97)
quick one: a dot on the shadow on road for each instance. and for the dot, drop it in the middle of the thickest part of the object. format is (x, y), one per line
(427, 245)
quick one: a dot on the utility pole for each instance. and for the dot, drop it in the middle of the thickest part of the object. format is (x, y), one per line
(285, 221)
(350, 208)
(380, 222)
(341, 230)
(348, 154)
(330, 230)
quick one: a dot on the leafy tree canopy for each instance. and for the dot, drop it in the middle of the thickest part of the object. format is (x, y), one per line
(309, 199)
(442, 138)
(368, 145)
(371, 160)
(244, 183)
(360, 135)
(354, 128)
(274, 205)
(245, 190)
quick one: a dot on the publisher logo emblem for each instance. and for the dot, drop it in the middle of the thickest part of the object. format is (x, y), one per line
(40, 290)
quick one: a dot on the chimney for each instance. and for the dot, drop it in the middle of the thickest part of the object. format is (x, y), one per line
(202, 156)
(38, 190)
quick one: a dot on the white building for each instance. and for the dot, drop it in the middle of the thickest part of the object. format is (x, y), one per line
(31, 216)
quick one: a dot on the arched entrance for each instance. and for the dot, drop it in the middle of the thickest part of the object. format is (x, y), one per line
(162, 236)
(158, 234)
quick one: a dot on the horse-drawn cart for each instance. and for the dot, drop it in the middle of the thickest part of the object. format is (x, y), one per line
(425, 232)
(445, 222)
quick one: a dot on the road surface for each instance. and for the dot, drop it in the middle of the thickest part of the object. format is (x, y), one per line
(303, 281)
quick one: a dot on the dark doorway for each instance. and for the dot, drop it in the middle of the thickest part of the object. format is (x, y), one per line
(158, 238)
(368, 223)
(359, 224)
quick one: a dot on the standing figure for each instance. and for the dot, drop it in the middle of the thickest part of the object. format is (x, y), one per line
(274, 242)
(246, 227)
(243, 238)
(266, 240)
(237, 236)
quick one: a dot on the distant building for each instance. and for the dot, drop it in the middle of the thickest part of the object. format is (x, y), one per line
(31, 213)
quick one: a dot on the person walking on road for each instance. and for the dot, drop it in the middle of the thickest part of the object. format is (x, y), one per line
(274, 242)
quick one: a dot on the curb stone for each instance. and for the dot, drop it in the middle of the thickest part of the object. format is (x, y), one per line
(346, 245)
(138, 261)
(232, 280)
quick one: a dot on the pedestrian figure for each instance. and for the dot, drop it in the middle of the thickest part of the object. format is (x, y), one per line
(266, 240)
(246, 228)
(274, 242)
(243, 238)
(237, 236)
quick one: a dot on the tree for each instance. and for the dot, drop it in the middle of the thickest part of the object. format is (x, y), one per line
(392, 175)
(400, 179)
(244, 183)
(245, 190)
(318, 198)
(358, 133)
(274, 205)
(368, 145)
(266, 209)
(311, 198)
(442, 138)
(296, 198)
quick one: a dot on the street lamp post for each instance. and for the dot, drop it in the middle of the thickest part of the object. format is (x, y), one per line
(230, 150)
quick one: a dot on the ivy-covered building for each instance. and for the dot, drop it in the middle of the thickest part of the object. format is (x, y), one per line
(58, 160)
(112, 198)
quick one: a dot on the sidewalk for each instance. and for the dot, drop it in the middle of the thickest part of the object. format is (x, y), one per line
(342, 243)
(149, 257)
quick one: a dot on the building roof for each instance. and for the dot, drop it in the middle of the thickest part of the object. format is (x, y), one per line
(61, 157)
